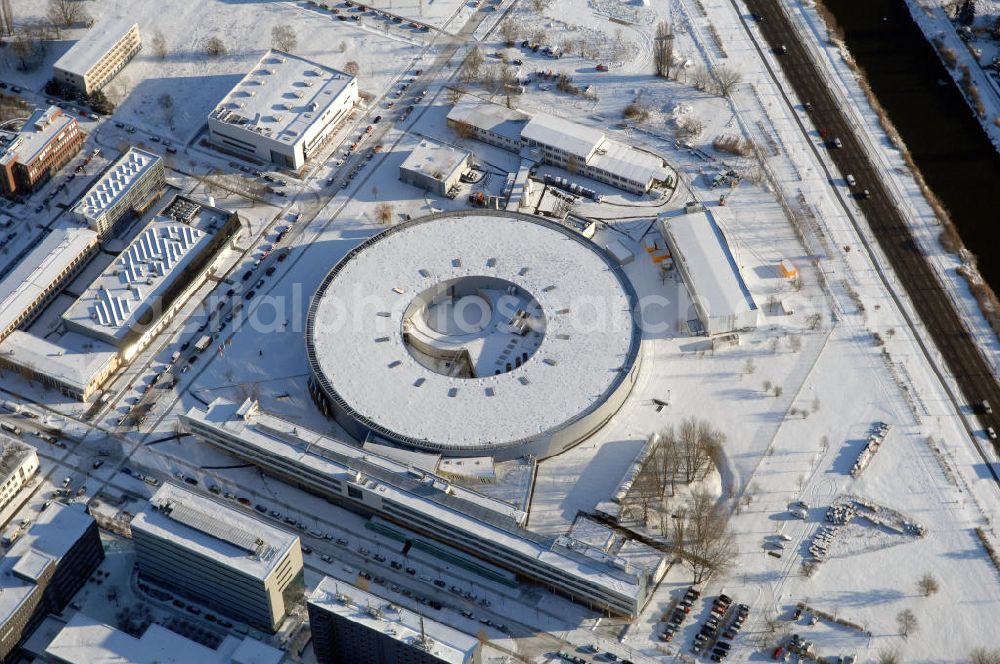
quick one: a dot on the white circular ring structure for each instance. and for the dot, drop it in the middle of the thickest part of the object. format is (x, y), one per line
(474, 333)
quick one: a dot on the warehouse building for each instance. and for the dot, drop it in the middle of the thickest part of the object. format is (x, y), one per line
(84, 640)
(424, 509)
(284, 110)
(44, 568)
(38, 277)
(92, 62)
(30, 156)
(720, 297)
(549, 139)
(349, 624)
(434, 167)
(128, 187)
(218, 556)
(18, 464)
(74, 364)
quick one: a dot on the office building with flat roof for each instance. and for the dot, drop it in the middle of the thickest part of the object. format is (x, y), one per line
(353, 625)
(94, 60)
(74, 364)
(30, 156)
(434, 167)
(221, 557)
(18, 464)
(128, 186)
(283, 110)
(44, 568)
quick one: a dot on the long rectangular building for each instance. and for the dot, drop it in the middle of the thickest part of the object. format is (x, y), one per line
(74, 364)
(224, 558)
(283, 110)
(94, 60)
(422, 503)
(128, 186)
(48, 139)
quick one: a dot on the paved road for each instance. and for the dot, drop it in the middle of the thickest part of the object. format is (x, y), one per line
(929, 298)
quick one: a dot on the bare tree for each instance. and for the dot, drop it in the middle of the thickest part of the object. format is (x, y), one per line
(708, 546)
(283, 38)
(352, 68)
(907, 622)
(158, 45)
(728, 79)
(66, 13)
(214, 46)
(889, 656)
(619, 49)
(984, 656)
(700, 78)
(166, 104)
(663, 49)
(538, 36)
(795, 343)
(510, 32)
(778, 390)
(928, 585)
(383, 213)
(28, 45)
(473, 64)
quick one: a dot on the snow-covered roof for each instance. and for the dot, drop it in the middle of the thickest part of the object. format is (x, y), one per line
(709, 264)
(88, 51)
(115, 182)
(129, 290)
(282, 96)
(574, 138)
(13, 454)
(628, 162)
(227, 536)
(85, 640)
(581, 343)
(494, 118)
(445, 643)
(40, 268)
(46, 541)
(434, 160)
(39, 129)
(72, 359)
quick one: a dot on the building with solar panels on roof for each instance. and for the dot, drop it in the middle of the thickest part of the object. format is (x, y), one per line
(219, 557)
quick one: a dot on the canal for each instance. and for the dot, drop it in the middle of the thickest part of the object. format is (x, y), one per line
(951, 149)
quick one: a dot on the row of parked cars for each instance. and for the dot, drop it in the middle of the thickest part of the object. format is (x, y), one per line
(717, 634)
(676, 618)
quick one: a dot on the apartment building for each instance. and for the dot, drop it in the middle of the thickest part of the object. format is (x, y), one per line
(38, 277)
(92, 62)
(353, 625)
(18, 464)
(30, 156)
(218, 556)
(128, 187)
(44, 569)
(424, 509)
(283, 110)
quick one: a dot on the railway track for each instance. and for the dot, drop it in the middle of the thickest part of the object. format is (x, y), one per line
(929, 298)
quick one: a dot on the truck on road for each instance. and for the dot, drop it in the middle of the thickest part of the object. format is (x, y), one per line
(203, 343)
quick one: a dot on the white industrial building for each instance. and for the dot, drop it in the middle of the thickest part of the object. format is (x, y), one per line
(84, 640)
(721, 299)
(222, 557)
(434, 167)
(424, 509)
(99, 55)
(18, 464)
(74, 364)
(473, 316)
(128, 186)
(38, 277)
(549, 139)
(283, 110)
(349, 624)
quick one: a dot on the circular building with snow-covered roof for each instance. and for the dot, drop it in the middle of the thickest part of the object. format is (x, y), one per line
(474, 333)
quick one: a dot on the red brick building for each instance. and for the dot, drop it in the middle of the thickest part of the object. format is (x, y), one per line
(48, 139)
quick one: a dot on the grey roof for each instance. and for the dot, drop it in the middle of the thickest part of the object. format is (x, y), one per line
(500, 120)
(574, 138)
(89, 50)
(73, 359)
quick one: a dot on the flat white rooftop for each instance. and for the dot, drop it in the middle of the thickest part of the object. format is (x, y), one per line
(500, 120)
(72, 359)
(40, 127)
(213, 530)
(628, 162)
(715, 277)
(47, 540)
(358, 331)
(85, 640)
(282, 96)
(115, 182)
(574, 138)
(128, 292)
(379, 615)
(434, 159)
(89, 50)
(43, 264)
